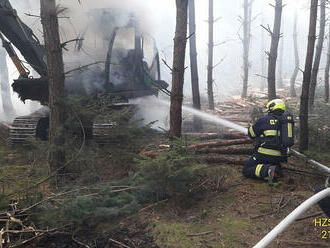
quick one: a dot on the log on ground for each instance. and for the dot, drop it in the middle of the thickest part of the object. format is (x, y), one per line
(228, 150)
(221, 143)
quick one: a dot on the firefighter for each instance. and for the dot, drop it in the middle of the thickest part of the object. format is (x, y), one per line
(270, 149)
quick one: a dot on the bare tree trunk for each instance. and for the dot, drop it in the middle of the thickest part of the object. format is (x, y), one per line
(318, 55)
(180, 41)
(275, 34)
(210, 58)
(296, 58)
(326, 74)
(263, 61)
(56, 82)
(7, 103)
(246, 44)
(193, 65)
(280, 64)
(303, 112)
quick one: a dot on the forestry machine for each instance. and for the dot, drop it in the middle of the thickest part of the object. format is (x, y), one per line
(129, 71)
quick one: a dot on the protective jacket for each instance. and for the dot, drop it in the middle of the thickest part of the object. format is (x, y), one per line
(266, 135)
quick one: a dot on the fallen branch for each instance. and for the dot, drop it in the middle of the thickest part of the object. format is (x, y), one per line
(221, 143)
(119, 243)
(310, 216)
(79, 242)
(227, 150)
(263, 215)
(153, 205)
(23, 244)
(199, 234)
(202, 136)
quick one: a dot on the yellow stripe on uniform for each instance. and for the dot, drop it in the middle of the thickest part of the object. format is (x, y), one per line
(290, 130)
(252, 132)
(258, 170)
(270, 152)
(270, 132)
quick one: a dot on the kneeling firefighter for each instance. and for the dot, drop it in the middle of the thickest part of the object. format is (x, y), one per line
(273, 135)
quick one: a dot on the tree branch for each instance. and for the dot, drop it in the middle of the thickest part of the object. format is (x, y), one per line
(84, 66)
(167, 65)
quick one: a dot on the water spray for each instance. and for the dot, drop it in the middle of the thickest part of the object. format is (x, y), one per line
(210, 117)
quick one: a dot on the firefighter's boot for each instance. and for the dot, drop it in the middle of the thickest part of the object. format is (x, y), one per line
(272, 173)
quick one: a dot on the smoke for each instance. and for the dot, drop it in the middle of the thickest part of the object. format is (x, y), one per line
(151, 110)
(157, 17)
(93, 23)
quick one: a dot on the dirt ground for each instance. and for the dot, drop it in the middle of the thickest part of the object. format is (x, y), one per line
(239, 214)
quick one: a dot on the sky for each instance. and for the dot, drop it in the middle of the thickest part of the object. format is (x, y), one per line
(158, 17)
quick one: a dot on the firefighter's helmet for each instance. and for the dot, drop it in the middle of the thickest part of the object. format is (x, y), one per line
(275, 104)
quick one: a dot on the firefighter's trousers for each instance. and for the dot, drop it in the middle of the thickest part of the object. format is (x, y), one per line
(258, 164)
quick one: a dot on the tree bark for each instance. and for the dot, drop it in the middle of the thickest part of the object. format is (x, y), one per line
(210, 58)
(275, 34)
(7, 103)
(262, 60)
(318, 55)
(296, 58)
(220, 143)
(303, 112)
(246, 44)
(55, 73)
(227, 150)
(180, 41)
(193, 65)
(326, 74)
(280, 62)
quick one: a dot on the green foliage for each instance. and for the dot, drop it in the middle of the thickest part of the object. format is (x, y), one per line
(87, 211)
(103, 183)
(171, 173)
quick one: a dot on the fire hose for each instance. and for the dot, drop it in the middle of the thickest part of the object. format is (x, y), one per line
(286, 222)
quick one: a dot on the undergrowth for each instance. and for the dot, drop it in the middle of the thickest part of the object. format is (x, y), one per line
(101, 184)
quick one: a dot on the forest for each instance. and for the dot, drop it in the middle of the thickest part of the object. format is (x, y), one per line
(164, 124)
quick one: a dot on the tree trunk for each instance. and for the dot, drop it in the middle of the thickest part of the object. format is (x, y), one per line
(227, 150)
(280, 62)
(56, 82)
(296, 58)
(326, 74)
(7, 103)
(273, 50)
(220, 143)
(318, 55)
(210, 58)
(179, 53)
(303, 112)
(193, 65)
(246, 45)
(262, 60)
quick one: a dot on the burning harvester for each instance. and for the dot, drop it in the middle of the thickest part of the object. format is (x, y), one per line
(123, 64)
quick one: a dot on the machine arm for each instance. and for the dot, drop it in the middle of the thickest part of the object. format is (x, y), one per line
(13, 56)
(22, 37)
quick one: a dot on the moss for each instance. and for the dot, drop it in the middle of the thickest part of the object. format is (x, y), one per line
(233, 228)
(168, 235)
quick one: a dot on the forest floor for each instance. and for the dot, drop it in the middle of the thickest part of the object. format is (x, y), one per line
(233, 212)
(237, 215)
(239, 212)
